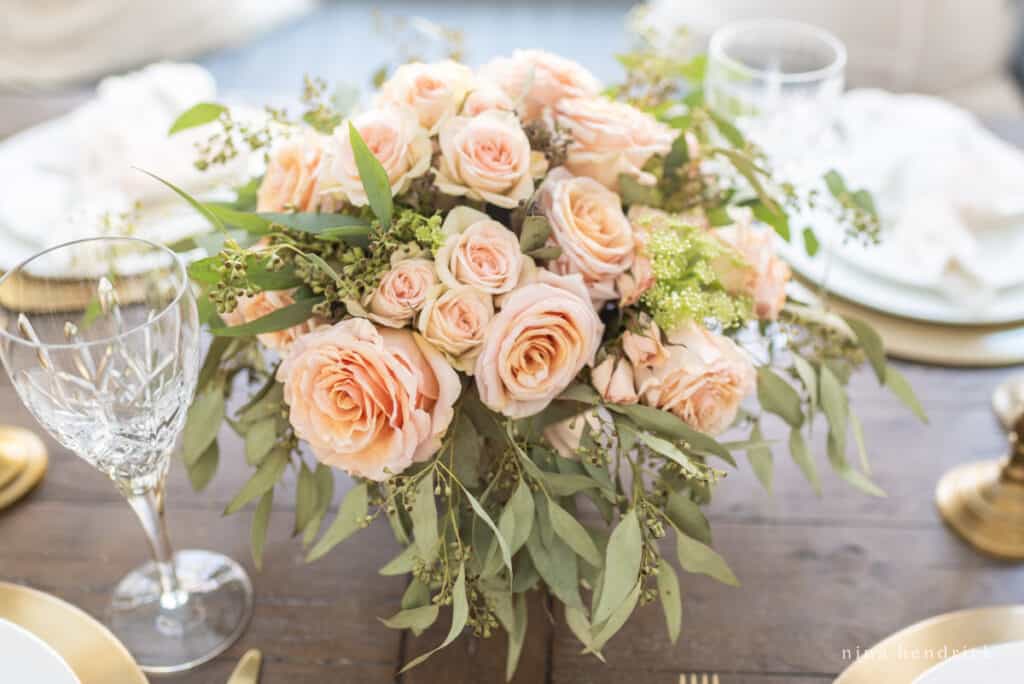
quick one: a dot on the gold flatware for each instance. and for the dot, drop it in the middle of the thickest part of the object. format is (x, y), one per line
(22, 463)
(248, 669)
(909, 653)
(984, 501)
(697, 678)
(90, 650)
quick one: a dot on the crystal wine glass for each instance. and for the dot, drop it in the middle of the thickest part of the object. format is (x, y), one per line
(101, 340)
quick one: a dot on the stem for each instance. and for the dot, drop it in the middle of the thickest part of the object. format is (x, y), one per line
(149, 507)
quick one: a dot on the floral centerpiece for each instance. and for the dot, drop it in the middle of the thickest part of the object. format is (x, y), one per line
(518, 310)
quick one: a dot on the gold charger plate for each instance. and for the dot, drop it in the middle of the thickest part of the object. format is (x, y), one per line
(909, 653)
(93, 653)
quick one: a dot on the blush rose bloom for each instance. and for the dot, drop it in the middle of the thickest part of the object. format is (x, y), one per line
(454, 321)
(759, 273)
(588, 224)
(370, 401)
(539, 79)
(610, 138)
(262, 304)
(644, 349)
(397, 140)
(402, 292)
(487, 157)
(480, 252)
(487, 97)
(544, 335)
(565, 436)
(704, 381)
(613, 379)
(433, 92)
(289, 183)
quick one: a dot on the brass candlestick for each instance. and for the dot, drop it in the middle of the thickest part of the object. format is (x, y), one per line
(984, 502)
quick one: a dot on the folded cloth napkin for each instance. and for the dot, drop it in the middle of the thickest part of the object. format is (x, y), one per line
(78, 175)
(950, 193)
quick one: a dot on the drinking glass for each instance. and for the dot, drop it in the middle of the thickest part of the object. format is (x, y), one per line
(780, 82)
(101, 340)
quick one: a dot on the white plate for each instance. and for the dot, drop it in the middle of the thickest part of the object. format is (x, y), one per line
(26, 658)
(998, 307)
(1001, 664)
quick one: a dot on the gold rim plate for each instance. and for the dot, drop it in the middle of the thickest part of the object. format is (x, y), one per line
(93, 653)
(909, 653)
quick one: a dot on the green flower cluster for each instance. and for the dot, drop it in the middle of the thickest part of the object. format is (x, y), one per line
(686, 283)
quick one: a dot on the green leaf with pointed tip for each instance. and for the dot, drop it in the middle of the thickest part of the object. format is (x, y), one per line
(858, 440)
(260, 520)
(871, 342)
(574, 534)
(373, 176)
(811, 244)
(557, 566)
(621, 567)
(259, 440)
(809, 377)
(263, 480)
(667, 425)
(197, 115)
(669, 451)
(424, 517)
(534, 234)
(778, 396)
(460, 613)
(686, 515)
(481, 513)
(699, 558)
(567, 484)
(776, 218)
(761, 459)
(202, 471)
(618, 618)
(899, 386)
(836, 408)
(802, 457)
(416, 619)
(401, 564)
(860, 481)
(671, 599)
(305, 498)
(202, 423)
(287, 317)
(520, 507)
(324, 477)
(516, 637)
(549, 253)
(196, 204)
(351, 514)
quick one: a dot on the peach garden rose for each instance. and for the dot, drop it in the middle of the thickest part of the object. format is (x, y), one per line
(433, 92)
(611, 138)
(545, 333)
(394, 136)
(613, 379)
(759, 272)
(588, 224)
(455, 320)
(369, 400)
(480, 252)
(487, 97)
(540, 80)
(703, 382)
(488, 158)
(402, 292)
(289, 183)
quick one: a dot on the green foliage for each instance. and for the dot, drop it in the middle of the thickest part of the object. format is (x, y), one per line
(197, 115)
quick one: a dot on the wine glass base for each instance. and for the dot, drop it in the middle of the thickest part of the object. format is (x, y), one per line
(215, 609)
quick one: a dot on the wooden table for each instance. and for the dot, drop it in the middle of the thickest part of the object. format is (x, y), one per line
(821, 577)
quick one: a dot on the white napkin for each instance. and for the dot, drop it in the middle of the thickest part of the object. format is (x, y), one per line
(950, 193)
(77, 176)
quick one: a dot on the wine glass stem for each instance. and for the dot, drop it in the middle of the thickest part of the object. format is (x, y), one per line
(149, 506)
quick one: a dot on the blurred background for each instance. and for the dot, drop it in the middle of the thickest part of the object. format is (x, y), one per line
(52, 53)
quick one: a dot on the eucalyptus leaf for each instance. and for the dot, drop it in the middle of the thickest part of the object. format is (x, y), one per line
(670, 451)
(516, 637)
(686, 516)
(416, 594)
(778, 396)
(557, 567)
(401, 564)
(899, 386)
(286, 317)
(424, 517)
(264, 479)
(836, 408)
(860, 481)
(260, 520)
(582, 393)
(202, 422)
(871, 342)
(373, 176)
(305, 498)
(573, 533)
(214, 220)
(811, 244)
(197, 115)
(618, 618)
(727, 129)
(534, 234)
(202, 471)
(468, 449)
(621, 567)
(776, 218)
(520, 506)
(633, 192)
(549, 253)
(324, 477)
(526, 575)
(259, 440)
(858, 440)
(481, 513)
(760, 458)
(671, 599)
(460, 613)
(351, 514)
(699, 558)
(566, 484)
(668, 425)
(416, 619)
(802, 457)
(579, 625)
(809, 377)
